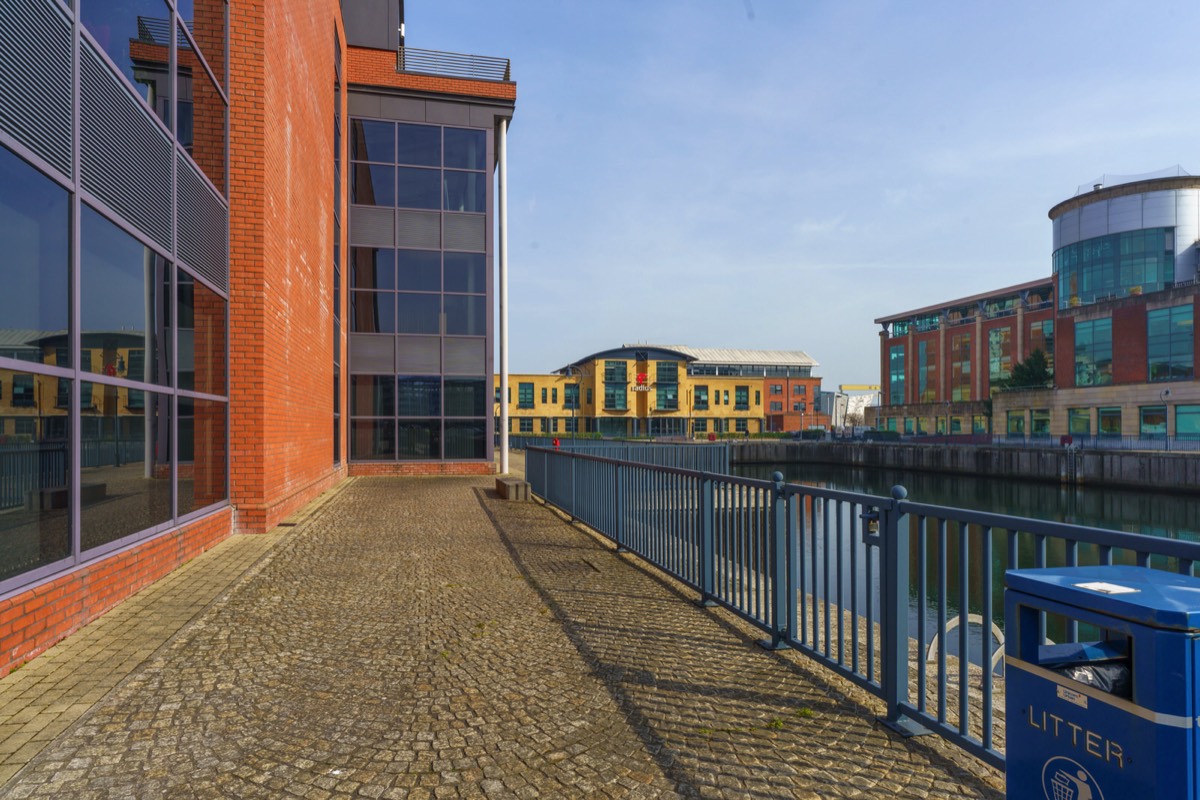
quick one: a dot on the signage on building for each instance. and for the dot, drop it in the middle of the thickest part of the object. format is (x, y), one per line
(641, 385)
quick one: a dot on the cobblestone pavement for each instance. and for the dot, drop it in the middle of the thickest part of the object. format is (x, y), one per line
(419, 638)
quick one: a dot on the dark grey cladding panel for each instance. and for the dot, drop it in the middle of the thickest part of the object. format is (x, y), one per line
(125, 159)
(372, 23)
(418, 355)
(372, 227)
(447, 113)
(404, 109)
(203, 226)
(466, 232)
(483, 117)
(372, 353)
(363, 105)
(35, 79)
(420, 229)
(465, 356)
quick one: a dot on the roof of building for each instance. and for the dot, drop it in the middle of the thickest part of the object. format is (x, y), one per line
(735, 355)
(1048, 281)
(703, 355)
(23, 337)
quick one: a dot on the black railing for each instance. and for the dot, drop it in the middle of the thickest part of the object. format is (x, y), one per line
(454, 65)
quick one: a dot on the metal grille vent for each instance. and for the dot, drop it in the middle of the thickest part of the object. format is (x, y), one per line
(465, 356)
(125, 160)
(372, 227)
(465, 232)
(418, 355)
(372, 353)
(35, 79)
(422, 229)
(203, 224)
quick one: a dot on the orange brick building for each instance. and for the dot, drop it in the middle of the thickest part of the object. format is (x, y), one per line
(190, 342)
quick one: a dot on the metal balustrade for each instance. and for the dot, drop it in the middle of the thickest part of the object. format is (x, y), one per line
(899, 597)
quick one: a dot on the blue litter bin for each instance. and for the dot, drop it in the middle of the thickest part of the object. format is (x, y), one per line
(1113, 713)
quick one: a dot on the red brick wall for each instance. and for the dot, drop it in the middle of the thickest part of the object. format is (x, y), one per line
(34, 620)
(281, 356)
(378, 68)
(1129, 343)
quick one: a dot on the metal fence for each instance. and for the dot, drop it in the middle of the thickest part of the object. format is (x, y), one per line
(1153, 443)
(28, 467)
(455, 65)
(902, 598)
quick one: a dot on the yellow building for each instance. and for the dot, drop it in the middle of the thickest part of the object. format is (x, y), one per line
(651, 390)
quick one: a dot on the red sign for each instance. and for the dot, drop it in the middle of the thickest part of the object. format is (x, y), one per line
(641, 379)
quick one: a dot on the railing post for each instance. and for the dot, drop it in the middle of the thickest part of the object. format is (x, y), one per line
(894, 599)
(777, 519)
(619, 533)
(705, 509)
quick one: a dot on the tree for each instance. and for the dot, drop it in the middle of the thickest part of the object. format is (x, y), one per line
(1032, 373)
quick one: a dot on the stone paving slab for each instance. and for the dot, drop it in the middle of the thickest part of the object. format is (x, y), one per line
(420, 638)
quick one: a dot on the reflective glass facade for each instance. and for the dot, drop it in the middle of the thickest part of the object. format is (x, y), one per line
(1115, 265)
(419, 305)
(114, 355)
(1093, 352)
(1170, 343)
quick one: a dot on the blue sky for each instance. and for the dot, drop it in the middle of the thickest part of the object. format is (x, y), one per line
(776, 175)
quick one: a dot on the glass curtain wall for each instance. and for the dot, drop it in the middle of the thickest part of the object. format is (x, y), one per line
(418, 310)
(113, 355)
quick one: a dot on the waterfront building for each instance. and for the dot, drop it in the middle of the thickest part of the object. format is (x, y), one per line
(245, 252)
(1117, 319)
(669, 390)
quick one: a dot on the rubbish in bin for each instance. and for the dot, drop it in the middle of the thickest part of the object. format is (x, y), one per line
(1112, 677)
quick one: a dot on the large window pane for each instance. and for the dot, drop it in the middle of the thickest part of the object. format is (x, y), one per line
(202, 359)
(371, 140)
(419, 396)
(372, 396)
(418, 188)
(418, 313)
(206, 20)
(419, 270)
(372, 268)
(372, 439)
(419, 145)
(1153, 421)
(465, 191)
(33, 257)
(373, 185)
(419, 439)
(34, 467)
(466, 272)
(465, 439)
(466, 315)
(466, 397)
(202, 446)
(201, 119)
(466, 149)
(373, 312)
(126, 463)
(122, 302)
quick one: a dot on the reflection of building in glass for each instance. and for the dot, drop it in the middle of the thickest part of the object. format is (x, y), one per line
(1116, 322)
(174, 219)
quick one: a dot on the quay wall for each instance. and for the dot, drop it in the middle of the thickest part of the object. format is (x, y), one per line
(1161, 471)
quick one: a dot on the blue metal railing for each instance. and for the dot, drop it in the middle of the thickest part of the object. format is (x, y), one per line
(899, 597)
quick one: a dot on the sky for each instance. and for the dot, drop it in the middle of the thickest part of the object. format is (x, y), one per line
(778, 174)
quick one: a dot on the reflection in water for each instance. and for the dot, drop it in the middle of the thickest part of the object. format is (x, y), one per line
(1155, 514)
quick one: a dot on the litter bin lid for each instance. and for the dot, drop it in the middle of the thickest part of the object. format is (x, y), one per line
(1137, 594)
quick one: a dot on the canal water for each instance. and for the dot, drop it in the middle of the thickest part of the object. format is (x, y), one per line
(1149, 513)
(1152, 513)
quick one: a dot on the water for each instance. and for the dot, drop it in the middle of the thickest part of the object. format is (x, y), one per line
(1152, 513)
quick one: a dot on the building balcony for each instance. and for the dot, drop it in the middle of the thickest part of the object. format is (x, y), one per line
(453, 65)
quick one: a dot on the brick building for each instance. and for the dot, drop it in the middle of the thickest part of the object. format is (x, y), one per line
(1117, 319)
(246, 251)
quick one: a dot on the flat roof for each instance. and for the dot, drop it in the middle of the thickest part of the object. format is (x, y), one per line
(1047, 282)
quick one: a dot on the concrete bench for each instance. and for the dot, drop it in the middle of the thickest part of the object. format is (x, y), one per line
(512, 489)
